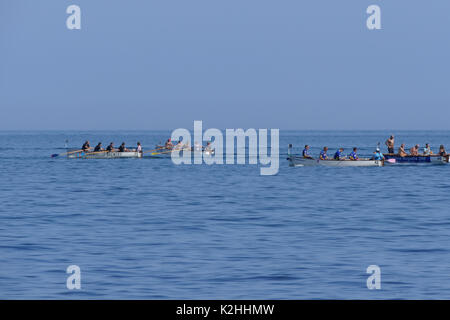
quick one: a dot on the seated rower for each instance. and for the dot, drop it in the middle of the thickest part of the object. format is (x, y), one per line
(208, 147)
(442, 151)
(169, 144)
(306, 152)
(197, 146)
(86, 146)
(339, 154)
(401, 151)
(179, 145)
(98, 147)
(323, 154)
(139, 147)
(122, 148)
(110, 148)
(414, 151)
(353, 155)
(427, 150)
(378, 155)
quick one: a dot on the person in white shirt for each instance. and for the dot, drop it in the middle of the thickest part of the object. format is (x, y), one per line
(427, 150)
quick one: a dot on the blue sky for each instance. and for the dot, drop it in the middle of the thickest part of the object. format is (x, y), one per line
(288, 64)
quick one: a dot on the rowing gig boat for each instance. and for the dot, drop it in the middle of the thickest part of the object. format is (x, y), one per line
(430, 159)
(299, 161)
(105, 155)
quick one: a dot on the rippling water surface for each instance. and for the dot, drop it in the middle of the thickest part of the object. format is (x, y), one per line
(147, 229)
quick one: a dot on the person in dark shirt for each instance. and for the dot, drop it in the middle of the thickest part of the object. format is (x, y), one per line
(353, 155)
(110, 148)
(339, 154)
(122, 148)
(306, 153)
(98, 147)
(323, 154)
(86, 146)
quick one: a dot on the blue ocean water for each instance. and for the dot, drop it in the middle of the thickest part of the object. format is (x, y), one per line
(148, 229)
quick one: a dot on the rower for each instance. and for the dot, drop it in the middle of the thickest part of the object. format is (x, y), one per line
(139, 147)
(208, 147)
(169, 144)
(353, 155)
(122, 148)
(179, 145)
(86, 146)
(338, 155)
(110, 148)
(401, 151)
(197, 146)
(306, 152)
(427, 150)
(390, 144)
(378, 155)
(98, 147)
(414, 151)
(323, 154)
(442, 151)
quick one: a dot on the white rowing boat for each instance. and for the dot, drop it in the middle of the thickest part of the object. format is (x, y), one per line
(105, 155)
(299, 161)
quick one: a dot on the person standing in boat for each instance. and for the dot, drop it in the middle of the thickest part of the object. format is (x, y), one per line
(401, 151)
(323, 154)
(414, 151)
(427, 150)
(139, 147)
(442, 151)
(98, 147)
(390, 144)
(353, 155)
(110, 148)
(339, 154)
(306, 152)
(122, 148)
(86, 146)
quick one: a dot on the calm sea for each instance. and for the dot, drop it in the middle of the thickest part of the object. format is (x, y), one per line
(147, 229)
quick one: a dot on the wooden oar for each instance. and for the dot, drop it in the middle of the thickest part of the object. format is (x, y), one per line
(173, 150)
(65, 153)
(155, 149)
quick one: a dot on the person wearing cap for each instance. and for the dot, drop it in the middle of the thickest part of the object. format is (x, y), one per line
(169, 144)
(390, 144)
(339, 154)
(378, 155)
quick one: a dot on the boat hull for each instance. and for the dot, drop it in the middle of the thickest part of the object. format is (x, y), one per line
(105, 155)
(298, 161)
(432, 159)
